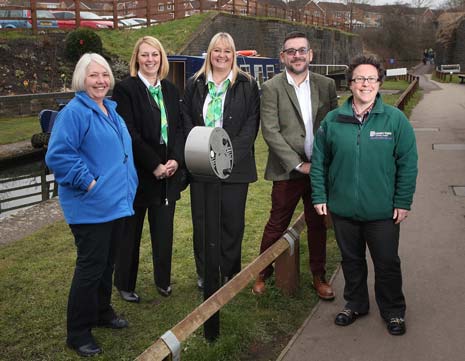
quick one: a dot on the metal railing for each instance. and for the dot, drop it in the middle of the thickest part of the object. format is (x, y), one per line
(25, 191)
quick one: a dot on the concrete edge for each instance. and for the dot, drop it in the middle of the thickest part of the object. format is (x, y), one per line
(309, 318)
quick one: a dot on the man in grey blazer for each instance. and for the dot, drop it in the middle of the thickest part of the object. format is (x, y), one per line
(293, 104)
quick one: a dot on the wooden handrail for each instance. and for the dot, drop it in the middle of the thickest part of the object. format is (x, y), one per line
(159, 350)
(406, 95)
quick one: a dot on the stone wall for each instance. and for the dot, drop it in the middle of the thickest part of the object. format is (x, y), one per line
(459, 52)
(450, 47)
(266, 36)
(19, 105)
(329, 46)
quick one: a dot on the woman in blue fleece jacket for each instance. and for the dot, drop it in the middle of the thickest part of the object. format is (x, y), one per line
(90, 155)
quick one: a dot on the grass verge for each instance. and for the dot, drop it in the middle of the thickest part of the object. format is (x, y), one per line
(172, 34)
(36, 272)
(18, 129)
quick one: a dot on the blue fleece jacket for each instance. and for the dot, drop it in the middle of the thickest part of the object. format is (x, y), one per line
(86, 144)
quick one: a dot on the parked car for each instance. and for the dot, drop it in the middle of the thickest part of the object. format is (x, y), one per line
(143, 21)
(124, 23)
(67, 20)
(45, 19)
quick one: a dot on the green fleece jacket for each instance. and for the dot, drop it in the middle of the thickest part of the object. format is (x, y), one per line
(364, 171)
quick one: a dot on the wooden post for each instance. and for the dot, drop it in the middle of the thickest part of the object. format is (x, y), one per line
(34, 16)
(287, 269)
(147, 13)
(77, 9)
(159, 350)
(115, 14)
(43, 183)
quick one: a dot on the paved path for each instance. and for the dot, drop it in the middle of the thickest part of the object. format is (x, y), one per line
(432, 252)
(29, 220)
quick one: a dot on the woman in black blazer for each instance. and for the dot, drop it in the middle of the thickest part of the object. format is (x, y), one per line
(149, 104)
(238, 113)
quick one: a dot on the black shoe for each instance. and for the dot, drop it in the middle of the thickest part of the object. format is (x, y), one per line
(129, 296)
(116, 323)
(396, 326)
(87, 350)
(346, 317)
(165, 292)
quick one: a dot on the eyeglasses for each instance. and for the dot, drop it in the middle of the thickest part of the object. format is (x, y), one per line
(292, 51)
(362, 79)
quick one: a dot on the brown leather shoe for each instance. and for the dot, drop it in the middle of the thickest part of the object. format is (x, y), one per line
(323, 288)
(259, 287)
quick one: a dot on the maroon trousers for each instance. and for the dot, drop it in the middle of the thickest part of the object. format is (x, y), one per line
(285, 196)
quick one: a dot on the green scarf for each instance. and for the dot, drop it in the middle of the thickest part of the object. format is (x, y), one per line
(158, 96)
(214, 108)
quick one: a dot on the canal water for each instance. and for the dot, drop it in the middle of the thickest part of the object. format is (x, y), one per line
(21, 186)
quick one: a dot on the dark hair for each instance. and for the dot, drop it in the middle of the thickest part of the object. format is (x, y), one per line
(365, 59)
(293, 35)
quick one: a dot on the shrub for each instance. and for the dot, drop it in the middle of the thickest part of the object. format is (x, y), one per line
(81, 41)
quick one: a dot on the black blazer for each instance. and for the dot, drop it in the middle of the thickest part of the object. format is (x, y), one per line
(142, 116)
(241, 120)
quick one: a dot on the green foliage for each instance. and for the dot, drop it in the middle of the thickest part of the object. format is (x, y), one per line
(81, 41)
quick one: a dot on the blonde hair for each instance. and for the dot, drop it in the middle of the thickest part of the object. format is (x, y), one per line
(80, 71)
(229, 42)
(164, 68)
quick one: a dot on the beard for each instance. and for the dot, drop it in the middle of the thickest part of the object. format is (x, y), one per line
(291, 68)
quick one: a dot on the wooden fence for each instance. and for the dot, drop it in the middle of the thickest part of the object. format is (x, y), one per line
(286, 253)
(409, 92)
(156, 11)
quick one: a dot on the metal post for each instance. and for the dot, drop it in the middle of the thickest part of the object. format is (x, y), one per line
(212, 251)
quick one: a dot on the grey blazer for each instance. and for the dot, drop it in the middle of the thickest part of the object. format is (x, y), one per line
(282, 124)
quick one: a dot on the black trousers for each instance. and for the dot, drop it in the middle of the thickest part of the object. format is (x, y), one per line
(90, 294)
(382, 238)
(233, 202)
(161, 233)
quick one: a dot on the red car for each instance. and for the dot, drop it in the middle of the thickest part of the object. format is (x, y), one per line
(67, 20)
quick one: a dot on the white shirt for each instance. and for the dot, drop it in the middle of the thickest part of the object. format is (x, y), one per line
(303, 94)
(219, 122)
(146, 82)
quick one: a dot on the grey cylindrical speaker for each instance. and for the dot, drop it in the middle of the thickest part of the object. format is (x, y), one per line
(209, 152)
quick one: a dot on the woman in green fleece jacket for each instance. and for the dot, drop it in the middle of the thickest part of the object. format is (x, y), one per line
(364, 169)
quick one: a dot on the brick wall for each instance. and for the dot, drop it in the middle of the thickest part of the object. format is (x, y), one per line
(266, 36)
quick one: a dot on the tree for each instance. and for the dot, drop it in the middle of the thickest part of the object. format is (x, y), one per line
(453, 5)
(400, 36)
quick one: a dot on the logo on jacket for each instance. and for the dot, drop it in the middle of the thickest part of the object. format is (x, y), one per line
(380, 135)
